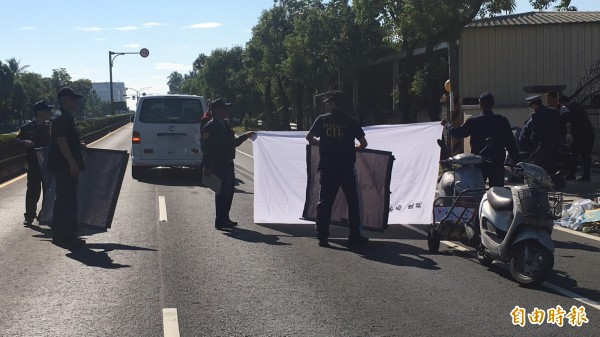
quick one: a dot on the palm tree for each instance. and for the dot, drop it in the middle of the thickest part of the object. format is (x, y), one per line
(565, 6)
(175, 80)
(15, 66)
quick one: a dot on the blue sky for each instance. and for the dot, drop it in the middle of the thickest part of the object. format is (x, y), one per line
(77, 35)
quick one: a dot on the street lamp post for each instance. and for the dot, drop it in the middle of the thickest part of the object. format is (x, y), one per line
(137, 92)
(143, 53)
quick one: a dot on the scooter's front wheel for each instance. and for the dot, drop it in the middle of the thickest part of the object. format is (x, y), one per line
(531, 263)
(433, 239)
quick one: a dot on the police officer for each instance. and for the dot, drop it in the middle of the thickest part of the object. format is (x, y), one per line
(582, 134)
(35, 133)
(218, 147)
(542, 135)
(335, 133)
(65, 161)
(484, 125)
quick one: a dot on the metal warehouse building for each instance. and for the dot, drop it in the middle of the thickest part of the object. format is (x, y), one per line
(518, 55)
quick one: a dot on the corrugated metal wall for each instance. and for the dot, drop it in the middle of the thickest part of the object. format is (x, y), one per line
(504, 59)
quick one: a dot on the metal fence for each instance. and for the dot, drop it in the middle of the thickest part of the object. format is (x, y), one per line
(594, 115)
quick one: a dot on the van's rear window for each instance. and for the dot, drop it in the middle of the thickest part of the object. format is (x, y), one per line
(171, 110)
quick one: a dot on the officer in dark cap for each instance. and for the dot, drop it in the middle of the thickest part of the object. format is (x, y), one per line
(485, 125)
(218, 147)
(335, 134)
(542, 135)
(65, 161)
(35, 133)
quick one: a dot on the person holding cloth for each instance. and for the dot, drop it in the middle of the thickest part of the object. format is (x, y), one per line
(335, 133)
(218, 148)
(485, 125)
(35, 133)
(65, 161)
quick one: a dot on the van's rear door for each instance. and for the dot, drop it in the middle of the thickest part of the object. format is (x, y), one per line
(170, 128)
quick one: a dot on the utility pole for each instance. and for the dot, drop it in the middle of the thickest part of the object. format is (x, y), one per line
(143, 53)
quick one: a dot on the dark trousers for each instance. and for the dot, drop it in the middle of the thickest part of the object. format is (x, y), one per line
(546, 159)
(64, 215)
(225, 198)
(34, 190)
(331, 181)
(493, 173)
(583, 148)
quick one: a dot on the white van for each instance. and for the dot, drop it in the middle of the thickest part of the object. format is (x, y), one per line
(166, 132)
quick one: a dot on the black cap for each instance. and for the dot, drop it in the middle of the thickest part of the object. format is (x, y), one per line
(486, 98)
(564, 98)
(42, 105)
(537, 99)
(334, 95)
(66, 91)
(218, 103)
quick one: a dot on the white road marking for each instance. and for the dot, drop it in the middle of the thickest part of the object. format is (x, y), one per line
(245, 154)
(162, 209)
(548, 285)
(583, 235)
(573, 295)
(170, 322)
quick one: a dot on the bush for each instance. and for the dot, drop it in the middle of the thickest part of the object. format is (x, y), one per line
(8, 146)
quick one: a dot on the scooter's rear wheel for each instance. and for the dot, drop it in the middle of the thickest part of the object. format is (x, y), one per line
(531, 263)
(433, 239)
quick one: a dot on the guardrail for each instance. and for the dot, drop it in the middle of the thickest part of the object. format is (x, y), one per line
(15, 166)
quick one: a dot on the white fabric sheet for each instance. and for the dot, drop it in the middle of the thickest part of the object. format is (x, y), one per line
(280, 172)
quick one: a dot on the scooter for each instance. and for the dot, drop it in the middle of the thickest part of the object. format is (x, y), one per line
(516, 225)
(460, 188)
(460, 174)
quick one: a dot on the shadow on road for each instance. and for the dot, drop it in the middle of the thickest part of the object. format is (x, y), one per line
(575, 246)
(92, 258)
(379, 249)
(391, 252)
(178, 177)
(254, 237)
(557, 277)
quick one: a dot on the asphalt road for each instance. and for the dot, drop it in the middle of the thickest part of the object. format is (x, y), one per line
(145, 277)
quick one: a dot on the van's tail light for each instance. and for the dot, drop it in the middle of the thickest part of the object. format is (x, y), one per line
(136, 138)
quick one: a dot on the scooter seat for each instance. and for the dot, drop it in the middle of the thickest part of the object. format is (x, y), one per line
(500, 198)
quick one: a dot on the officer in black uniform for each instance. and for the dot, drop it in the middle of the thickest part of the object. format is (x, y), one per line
(218, 147)
(35, 133)
(583, 135)
(484, 125)
(542, 135)
(65, 161)
(335, 134)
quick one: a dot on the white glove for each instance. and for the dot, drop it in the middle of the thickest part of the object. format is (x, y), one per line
(569, 139)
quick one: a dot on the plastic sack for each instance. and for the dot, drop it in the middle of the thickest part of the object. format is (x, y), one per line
(573, 215)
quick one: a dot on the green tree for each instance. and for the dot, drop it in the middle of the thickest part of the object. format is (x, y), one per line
(174, 81)
(565, 6)
(7, 79)
(266, 54)
(60, 78)
(15, 67)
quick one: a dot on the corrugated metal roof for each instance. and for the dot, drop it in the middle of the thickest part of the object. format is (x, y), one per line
(537, 18)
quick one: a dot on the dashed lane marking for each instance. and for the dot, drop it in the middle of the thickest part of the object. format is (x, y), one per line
(162, 209)
(546, 284)
(170, 322)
